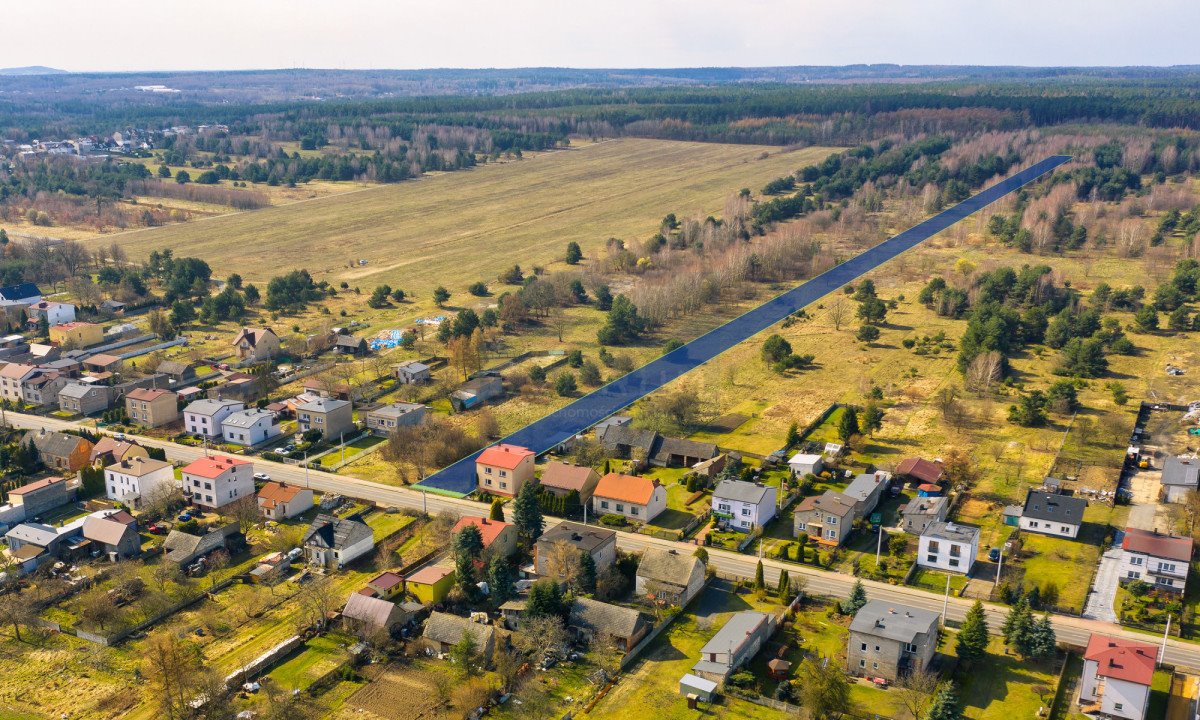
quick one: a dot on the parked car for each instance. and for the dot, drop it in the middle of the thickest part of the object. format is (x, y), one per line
(156, 529)
(184, 517)
(994, 554)
(261, 477)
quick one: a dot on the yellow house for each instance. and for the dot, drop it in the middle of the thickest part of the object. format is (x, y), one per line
(77, 334)
(430, 584)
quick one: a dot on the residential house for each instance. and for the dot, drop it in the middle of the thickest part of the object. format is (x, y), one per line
(180, 373)
(26, 293)
(350, 345)
(280, 501)
(334, 542)
(476, 392)
(332, 417)
(238, 386)
(949, 547)
(80, 398)
(41, 388)
(256, 344)
(250, 427)
(669, 577)
(77, 335)
(50, 312)
(1116, 679)
(802, 464)
(598, 542)
(734, 645)
(920, 470)
(890, 641)
(498, 536)
(385, 419)
(431, 584)
(204, 417)
(152, 407)
(503, 469)
(1057, 515)
(827, 518)
(918, 513)
(1180, 475)
(40, 496)
(1153, 557)
(595, 621)
(386, 585)
(411, 372)
(111, 536)
(59, 450)
(135, 478)
(636, 498)
(109, 450)
(183, 549)
(218, 480)
(741, 505)
(12, 377)
(364, 615)
(32, 543)
(445, 631)
(561, 479)
(676, 452)
(866, 490)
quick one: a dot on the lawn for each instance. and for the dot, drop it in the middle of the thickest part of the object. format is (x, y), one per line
(385, 524)
(935, 581)
(1067, 564)
(319, 656)
(1001, 686)
(352, 449)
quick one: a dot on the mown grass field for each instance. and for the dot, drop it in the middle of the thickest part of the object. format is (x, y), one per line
(456, 228)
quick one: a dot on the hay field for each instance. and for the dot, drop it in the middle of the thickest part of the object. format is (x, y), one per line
(456, 228)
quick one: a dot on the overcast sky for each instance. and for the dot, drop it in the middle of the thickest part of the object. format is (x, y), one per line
(83, 35)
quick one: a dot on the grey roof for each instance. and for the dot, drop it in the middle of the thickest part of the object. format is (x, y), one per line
(349, 341)
(479, 383)
(894, 621)
(35, 533)
(1181, 471)
(446, 628)
(742, 491)
(173, 367)
(669, 567)
(863, 486)
(79, 390)
(371, 610)
(1057, 508)
(602, 617)
(735, 632)
(669, 446)
(55, 444)
(831, 501)
(613, 435)
(323, 405)
(584, 537)
(210, 407)
(925, 506)
(247, 418)
(951, 532)
(336, 533)
(181, 547)
(414, 365)
(397, 409)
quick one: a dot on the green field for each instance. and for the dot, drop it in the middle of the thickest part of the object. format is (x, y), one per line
(456, 228)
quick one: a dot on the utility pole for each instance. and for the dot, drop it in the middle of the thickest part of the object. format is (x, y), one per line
(342, 440)
(424, 501)
(1000, 566)
(878, 545)
(1162, 651)
(946, 600)
(306, 469)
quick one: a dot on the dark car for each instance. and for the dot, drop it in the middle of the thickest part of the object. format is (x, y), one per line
(994, 554)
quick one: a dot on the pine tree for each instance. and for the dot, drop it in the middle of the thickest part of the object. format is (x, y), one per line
(784, 587)
(586, 582)
(858, 598)
(500, 579)
(1019, 628)
(1042, 641)
(945, 705)
(848, 424)
(466, 546)
(793, 436)
(527, 514)
(497, 511)
(759, 581)
(972, 641)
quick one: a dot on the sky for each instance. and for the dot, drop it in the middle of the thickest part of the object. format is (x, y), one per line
(78, 35)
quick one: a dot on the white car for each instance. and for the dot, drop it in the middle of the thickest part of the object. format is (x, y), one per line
(262, 477)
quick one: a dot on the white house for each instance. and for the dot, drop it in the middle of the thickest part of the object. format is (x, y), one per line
(334, 542)
(635, 498)
(1049, 514)
(744, 505)
(1116, 677)
(1161, 560)
(948, 546)
(280, 501)
(135, 478)
(805, 463)
(250, 427)
(204, 417)
(55, 313)
(216, 481)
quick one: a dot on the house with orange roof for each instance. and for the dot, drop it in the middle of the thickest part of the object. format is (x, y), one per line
(1116, 677)
(498, 536)
(216, 481)
(76, 334)
(12, 375)
(636, 498)
(152, 407)
(503, 469)
(280, 501)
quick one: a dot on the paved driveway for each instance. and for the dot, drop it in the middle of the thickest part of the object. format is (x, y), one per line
(567, 422)
(1103, 595)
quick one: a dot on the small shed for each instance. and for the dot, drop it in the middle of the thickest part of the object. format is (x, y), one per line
(694, 685)
(780, 669)
(929, 490)
(1012, 515)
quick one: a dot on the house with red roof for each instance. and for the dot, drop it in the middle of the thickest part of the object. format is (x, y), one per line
(1156, 558)
(280, 501)
(498, 536)
(920, 470)
(636, 498)
(218, 480)
(1116, 677)
(503, 469)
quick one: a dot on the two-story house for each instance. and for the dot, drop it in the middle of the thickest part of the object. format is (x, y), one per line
(866, 490)
(1155, 558)
(636, 498)
(1058, 515)
(502, 469)
(411, 372)
(76, 335)
(218, 480)
(827, 518)
(250, 427)
(256, 344)
(668, 576)
(133, 479)
(1116, 678)
(334, 542)
(152, 407)
(280, 501)
(80, 398)
(385, 419)
(741, 505)
(41, 388)
(498, 536)
(204, 417)
(918, 513)
(12, 375)
(889, 640)
(948, 546)
(598, 542)
(53, 313)
(332, 417)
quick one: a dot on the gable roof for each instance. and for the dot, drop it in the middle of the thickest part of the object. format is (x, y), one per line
(1170, 547)
(489, 530)
(1181, 471)
(736, 632)
(605, 618)
(584, 537)
(36, 485)
(831, 501)
(173, 367)
(921, 469)
(336, 533)
(669, 446)
(567, 476)
(668, 567)
(614, 435)
(109, 446)
(252, 335)
(626, 488)
(1057, 508)
(211, 406)
(275, 492)
(865, 485)
(1119, 659)
(55, 444)
(894, 621)
(138, 466)
(106, 531)
(182, 547)
(504, 456)
(16, 371)
(147, 394)
(370, 610)
(20, 291)
(742, 491)
(446, 628)
(214, 466)
(80, 390)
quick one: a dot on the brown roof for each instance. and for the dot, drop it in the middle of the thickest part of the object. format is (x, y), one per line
(832, 501)
(108, 446)
(16, 371)
(147, 394)
(385, 581)
(565, 476)
(1155, 543)
(628, 488)
(921, 469)
(429, 575)
(36, 485)
(104, 530)
(102, 360)
(275, 493)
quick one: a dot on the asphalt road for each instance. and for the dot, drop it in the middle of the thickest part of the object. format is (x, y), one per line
(590, 409)
(1072, 630)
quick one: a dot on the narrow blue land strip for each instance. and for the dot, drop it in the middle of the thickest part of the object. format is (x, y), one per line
(590, 409)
